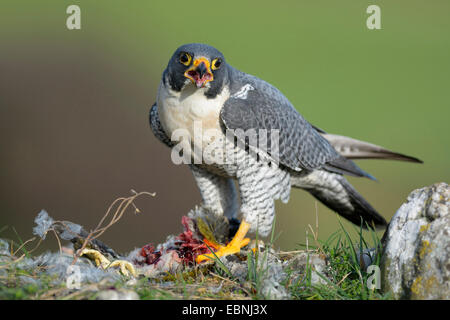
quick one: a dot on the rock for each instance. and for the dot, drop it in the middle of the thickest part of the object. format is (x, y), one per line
(272, 287)
(269, 272)
(4, 249)
(121, 294)
(237, 268)
(317, 263)
(416, 247)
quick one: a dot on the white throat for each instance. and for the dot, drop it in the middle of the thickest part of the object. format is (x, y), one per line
(179, 110)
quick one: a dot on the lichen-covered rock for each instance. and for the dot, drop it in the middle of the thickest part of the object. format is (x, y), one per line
(416, 256)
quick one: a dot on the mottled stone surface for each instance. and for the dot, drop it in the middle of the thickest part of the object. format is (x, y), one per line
(270, 270)
(416, 255)
(315, 261)
(121, 294)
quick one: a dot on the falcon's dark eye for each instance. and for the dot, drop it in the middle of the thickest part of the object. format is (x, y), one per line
(216, 64)
(185, 58)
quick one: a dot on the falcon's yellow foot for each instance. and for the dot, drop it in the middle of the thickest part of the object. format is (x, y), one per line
(224, 251)
(101, 261)
(233, 247)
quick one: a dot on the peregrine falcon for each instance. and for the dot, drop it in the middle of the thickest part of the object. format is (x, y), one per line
(199, 88)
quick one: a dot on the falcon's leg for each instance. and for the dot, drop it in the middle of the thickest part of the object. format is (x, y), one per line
(234, 246)
(218, 193)
(219, 196)
(258, 186)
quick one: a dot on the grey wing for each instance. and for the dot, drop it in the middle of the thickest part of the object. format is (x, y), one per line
(156, 127)
(300, 146)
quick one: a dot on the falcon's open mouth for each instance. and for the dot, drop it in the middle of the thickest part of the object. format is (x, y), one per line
(200, 72)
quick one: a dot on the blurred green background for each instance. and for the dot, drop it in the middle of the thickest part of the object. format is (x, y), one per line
(74, 103)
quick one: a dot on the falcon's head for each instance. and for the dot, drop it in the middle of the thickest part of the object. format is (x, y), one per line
(199, 65)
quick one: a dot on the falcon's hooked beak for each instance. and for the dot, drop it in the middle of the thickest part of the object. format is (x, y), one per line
(200, 72)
